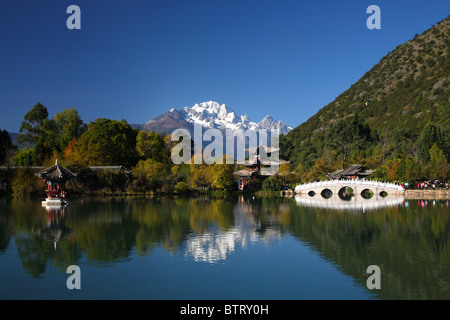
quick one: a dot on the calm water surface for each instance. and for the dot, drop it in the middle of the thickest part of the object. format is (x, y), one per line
(223, 248)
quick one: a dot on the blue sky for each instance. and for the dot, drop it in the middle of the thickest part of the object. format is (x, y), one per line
(135, 60)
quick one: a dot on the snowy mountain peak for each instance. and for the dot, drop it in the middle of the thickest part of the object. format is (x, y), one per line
(267, 119)
(212, 114)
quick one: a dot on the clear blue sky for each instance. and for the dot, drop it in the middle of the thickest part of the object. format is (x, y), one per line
(134, 60)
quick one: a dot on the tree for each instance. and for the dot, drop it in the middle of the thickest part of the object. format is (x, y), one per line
(32, 124)
(6, 146)
(150, 145)
(106, 143)
(46, 141)
(24, 157)
(412, 171)
(437, 168)
(149, 174)
(349, 135)
(70, 155)
(272, 183)
(49, 135)
(201, 175)
(432, 134)
(393, 166)
(181, 187)
(68, 125)
(286, 147)
(222, 175)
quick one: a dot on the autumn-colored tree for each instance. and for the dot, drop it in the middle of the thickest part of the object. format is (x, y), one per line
(70, 156)
(393, 169)
(108, 142)
(201, 176)
(150, 175)
(222, 176)
(151, 145)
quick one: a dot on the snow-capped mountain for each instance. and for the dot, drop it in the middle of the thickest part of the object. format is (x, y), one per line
(211, 114)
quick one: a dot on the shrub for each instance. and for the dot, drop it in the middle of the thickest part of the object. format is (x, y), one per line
(181, 187)
(272, 184)
(24, 183)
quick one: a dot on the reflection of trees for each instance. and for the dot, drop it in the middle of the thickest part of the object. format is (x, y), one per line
(41, 237)
(109, 230)
(411, 246)
(6, 230)
(34, 253)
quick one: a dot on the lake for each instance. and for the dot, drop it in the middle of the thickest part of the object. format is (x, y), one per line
(230, 247)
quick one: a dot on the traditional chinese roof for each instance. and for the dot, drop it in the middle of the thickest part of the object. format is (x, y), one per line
(109, 168)
(56, 173)
(244, 173)
(355, 170)
(269, 162)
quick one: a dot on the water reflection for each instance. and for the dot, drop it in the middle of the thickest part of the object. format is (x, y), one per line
(354, 204)
(409, 240)
(215, 245)
(54, 230)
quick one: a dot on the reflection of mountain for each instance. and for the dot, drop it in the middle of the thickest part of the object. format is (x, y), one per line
(215, 244)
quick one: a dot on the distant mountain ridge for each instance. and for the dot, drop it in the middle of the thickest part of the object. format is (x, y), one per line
(210, 114)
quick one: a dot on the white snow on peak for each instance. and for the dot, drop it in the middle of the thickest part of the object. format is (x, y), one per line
(211, 114)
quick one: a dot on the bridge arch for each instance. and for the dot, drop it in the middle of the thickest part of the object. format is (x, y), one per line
(326, 193)
(346, 193)
(383, 194)
(367, 193)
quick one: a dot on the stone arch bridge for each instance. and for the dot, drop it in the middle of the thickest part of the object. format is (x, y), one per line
(364, 189)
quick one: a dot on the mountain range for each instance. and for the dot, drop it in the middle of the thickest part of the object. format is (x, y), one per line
(211, 115)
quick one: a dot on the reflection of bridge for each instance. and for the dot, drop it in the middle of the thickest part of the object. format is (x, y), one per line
(360, 189)
(353, 204)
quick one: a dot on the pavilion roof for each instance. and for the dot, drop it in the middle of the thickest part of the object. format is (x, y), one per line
(353, 170)
(56, 173)
(243, 173)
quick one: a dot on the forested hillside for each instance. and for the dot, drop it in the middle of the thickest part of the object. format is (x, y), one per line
(395, 119)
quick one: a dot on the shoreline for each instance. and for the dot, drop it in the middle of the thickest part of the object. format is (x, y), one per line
(409, 194)
(441, 194)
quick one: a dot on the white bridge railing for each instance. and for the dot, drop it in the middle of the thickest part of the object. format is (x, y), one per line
(349, 183)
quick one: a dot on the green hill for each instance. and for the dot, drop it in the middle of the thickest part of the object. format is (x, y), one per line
(392, 116)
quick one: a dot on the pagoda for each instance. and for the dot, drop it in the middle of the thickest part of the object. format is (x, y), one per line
(353, 172)
(56, 178)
